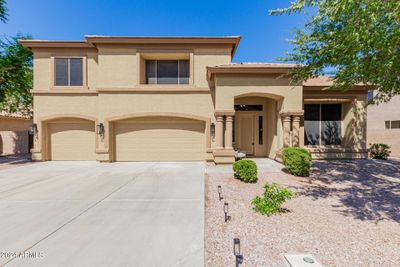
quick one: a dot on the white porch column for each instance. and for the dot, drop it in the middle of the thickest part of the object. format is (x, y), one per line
(219, 131)
(228, 132)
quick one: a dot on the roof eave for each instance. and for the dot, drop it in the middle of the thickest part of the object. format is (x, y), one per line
(54, 44)
(248, 70)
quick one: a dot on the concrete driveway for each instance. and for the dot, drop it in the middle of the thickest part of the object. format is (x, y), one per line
(93, 214)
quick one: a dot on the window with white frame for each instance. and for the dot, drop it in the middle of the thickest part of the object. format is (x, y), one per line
(392, 124)
(167, 71)
(68, 71)
(322, 124)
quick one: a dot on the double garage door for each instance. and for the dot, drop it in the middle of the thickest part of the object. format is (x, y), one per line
(144, 139)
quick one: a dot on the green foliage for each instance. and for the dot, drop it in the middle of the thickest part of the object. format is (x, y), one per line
(272, 199)
(245, 170)
(297, 160)
(3, 11)
(379, 151)
(352, 41)
(15, 76)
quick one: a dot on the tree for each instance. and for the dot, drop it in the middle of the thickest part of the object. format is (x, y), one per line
(15, 76)
(3, 11)
(354, 41)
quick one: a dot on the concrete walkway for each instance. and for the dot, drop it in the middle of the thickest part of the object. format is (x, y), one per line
(263, 165)
(92, 214)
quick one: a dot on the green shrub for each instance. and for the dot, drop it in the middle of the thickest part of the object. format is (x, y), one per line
(272, 199)
(297, 161)
(379, 151)
(245, 170)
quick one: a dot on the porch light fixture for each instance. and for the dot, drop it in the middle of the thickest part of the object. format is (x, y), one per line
(236, 251)
(212, 130)
(100, 129)
(219, 193)
(226, 209)
(33, 130)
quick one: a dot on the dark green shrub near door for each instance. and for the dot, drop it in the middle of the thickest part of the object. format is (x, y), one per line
(297, 161)
(245, 170)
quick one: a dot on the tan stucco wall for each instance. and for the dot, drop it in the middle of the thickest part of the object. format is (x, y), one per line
(14, 138)
(43, 61)
(228, 87)
(377, 115)
(114, 86)
(285, 97)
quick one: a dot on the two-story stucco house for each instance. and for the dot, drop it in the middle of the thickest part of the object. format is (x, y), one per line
(181, 98)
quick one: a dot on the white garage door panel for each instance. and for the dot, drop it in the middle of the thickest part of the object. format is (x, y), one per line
(72, 141)
(160, 141)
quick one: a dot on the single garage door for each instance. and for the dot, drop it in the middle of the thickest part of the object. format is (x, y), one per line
(74, 140)
(159, 139)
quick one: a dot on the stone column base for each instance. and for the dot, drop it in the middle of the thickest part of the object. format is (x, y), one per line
(224, 156)
(209, 155)
(103, 155)
(36, 155)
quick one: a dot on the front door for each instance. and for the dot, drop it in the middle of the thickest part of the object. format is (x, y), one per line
(246, 133)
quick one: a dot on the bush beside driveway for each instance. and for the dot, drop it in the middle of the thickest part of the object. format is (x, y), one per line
(345, 214)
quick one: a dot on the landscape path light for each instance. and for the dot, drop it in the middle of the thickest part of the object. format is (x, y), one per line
(236, 251)
(219, 193)
(226, 210)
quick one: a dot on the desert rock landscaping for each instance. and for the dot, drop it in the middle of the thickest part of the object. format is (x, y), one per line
(347, 213)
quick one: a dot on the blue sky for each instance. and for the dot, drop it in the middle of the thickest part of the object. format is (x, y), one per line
(264, 38)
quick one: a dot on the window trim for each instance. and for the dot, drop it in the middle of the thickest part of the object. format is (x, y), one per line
(161, 54)
(156, 61)
(390, 124)
(84, 85)
(320, 126)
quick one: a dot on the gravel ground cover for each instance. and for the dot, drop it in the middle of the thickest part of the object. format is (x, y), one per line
(346, 214)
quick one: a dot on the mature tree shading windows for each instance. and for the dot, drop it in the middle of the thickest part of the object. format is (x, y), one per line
(68, 71)
(322, 124)
(167, 72)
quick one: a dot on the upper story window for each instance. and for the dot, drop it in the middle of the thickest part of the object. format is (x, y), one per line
(322, 124)
(167, 71)
(68, 71)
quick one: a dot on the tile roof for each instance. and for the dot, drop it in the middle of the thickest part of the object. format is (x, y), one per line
(4, 114)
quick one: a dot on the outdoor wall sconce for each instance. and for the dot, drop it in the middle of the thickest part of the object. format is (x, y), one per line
(100, 129)
(219, 193)
(236, 251)
(33, 130)
(226, 209)
(212, 130)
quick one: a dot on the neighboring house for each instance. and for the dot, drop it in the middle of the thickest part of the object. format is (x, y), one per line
(181, 98)
(384, 124)
(14, 134)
